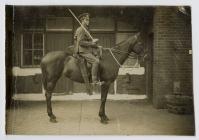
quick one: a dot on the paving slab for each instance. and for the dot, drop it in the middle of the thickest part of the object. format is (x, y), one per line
(132, 117)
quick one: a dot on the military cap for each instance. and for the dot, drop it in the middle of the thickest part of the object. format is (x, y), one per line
(82, 16)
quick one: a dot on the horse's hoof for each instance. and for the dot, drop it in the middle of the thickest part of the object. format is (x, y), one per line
(104, 121)
(106, 118)
(53, 120)
(53, 117)
(90, 93)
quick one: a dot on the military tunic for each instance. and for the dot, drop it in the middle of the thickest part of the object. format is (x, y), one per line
(84, 45)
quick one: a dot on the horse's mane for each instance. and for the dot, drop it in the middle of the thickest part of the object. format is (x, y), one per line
(121, 42)
(124, 41)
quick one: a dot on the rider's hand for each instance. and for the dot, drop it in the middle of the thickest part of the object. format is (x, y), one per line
(95, 40)
(99, 47)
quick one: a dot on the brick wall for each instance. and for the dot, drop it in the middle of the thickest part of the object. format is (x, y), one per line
(171, 59)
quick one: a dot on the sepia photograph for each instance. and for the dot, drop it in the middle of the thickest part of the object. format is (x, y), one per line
(99, 70)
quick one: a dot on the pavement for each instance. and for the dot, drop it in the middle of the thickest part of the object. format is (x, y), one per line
(75, 96)
(127, 117)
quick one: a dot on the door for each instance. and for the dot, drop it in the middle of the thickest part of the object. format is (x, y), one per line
(149, 66)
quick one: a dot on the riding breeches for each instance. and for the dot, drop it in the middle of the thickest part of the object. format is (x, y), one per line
(90, 58)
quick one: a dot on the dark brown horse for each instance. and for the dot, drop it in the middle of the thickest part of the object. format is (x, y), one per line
(55, 64)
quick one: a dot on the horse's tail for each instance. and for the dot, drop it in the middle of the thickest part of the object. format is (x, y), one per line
(44, 75)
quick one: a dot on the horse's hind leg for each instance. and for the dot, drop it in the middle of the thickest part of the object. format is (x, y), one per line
(48, 94)
(104, 92)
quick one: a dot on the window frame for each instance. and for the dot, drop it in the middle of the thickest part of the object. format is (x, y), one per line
(32, 50)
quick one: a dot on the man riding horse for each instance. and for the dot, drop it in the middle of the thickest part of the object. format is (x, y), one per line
(85, 46)
(58, 63)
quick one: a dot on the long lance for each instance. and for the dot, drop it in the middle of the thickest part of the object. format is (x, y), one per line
(80, 24)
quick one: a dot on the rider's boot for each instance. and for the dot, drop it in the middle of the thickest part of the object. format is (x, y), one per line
(95, 80)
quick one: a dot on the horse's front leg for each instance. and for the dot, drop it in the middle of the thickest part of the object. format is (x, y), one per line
(104, 92)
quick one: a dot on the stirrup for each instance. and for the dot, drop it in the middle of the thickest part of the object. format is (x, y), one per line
(98, 83)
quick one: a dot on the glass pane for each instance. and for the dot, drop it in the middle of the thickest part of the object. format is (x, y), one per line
(27, 58)
(27, 41)
(38, 41)
(37, 57)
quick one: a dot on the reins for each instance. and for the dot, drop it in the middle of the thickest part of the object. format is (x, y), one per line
(124, 52)
(115, 57)
(118, 51)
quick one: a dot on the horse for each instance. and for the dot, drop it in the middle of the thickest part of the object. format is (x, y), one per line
(58, 63)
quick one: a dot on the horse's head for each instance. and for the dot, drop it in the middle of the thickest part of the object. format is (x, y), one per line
(137, 46)
(133, 44)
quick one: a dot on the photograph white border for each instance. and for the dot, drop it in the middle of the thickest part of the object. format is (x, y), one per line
(195, 44)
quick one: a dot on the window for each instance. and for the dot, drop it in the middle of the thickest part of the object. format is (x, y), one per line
(32, 48)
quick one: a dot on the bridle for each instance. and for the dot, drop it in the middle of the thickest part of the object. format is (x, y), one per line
(114, 57)
(120, 52)
(124, 52)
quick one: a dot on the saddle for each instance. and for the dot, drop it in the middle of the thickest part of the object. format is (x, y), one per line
(98, 53)
(85, 67)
